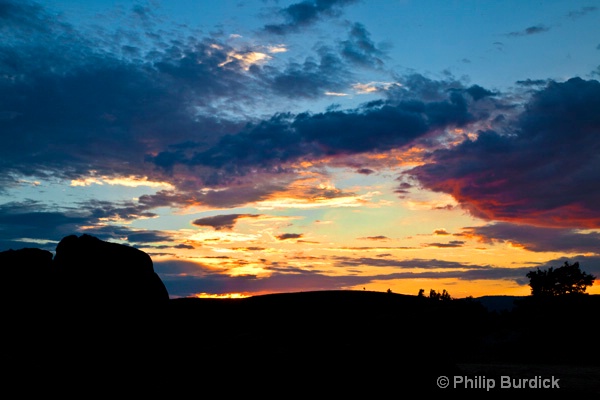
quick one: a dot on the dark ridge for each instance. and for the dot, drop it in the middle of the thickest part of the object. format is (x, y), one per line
(499, 303)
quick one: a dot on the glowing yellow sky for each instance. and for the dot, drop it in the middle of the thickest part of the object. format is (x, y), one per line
(334, 232)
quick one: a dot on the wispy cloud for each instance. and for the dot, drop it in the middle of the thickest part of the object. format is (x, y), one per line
(450, 244)
(532, 30)
(582, 12)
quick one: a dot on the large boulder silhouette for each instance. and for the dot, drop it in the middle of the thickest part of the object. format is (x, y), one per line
(94, 305)
(26, 276)
(98, 273)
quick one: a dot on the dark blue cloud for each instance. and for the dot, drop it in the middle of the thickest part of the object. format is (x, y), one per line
(587, 263)
(477, 92)
(288, 137)
(67, 107)
(305, 13)
(418, 87)
(310, 79)
(31, 224)
(71, 101)
(148, 237)
(24, 15)
(359, 49)
(583, 11)
(533, 82)
(373, 129)
(331, 70)
(532, 30)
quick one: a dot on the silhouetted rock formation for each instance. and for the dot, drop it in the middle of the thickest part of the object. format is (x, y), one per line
(85, 272)
(95, 305)
(103, 273)
(26, 275)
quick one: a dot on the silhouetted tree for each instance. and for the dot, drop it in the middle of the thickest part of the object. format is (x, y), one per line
(568, 279)
(444, 295)
(421, 293)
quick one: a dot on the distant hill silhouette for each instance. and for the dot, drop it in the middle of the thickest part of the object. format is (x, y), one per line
(99, 311)
(498, 303)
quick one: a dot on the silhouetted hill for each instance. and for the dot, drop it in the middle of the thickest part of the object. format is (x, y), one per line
(498, 303)
(337, 343)
(348, 340)
(360, 338)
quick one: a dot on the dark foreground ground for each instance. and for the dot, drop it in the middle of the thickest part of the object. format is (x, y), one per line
(320, 344)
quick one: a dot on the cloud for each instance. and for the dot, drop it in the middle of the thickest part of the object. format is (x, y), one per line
(538, 239)
(116, 211)
(152, 117)
(222, 222)
(583, 11)
(542, 171)
(532, 30)
(286, 236)
(359, 49)
(417, 263)
(378, 237)
(303, 14)
(31, 224)
(92, 109)
(452, 243)
(418, 87)
(477, 92)
(588, 264)
(438, 269)
(85, 108)
(403, 189)
(316, 76)
(28, 18)
(287, 137)
(533, 82)
(148, 237)
(365, 171)
(184, 279)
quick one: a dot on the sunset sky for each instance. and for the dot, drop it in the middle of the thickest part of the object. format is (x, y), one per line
(267, 146)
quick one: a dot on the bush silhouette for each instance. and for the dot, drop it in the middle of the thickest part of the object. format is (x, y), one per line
(568, 279)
